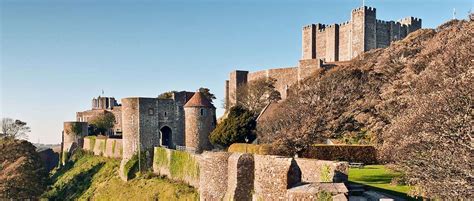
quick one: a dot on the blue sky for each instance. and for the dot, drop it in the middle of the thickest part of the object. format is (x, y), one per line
(56, 55)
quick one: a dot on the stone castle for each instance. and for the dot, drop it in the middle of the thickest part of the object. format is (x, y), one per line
(185, 120)
(329, 45)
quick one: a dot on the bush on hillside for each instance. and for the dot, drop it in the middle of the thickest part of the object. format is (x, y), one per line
(413, 99)
(238, 126)
(22, 173)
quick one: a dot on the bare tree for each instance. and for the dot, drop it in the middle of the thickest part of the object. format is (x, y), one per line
(15, 129)
(256, 94)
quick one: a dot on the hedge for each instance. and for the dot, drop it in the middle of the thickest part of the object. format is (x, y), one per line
(351, 153)
(262, 149)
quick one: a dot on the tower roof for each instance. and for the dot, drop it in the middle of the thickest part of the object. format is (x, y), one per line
(199, 100)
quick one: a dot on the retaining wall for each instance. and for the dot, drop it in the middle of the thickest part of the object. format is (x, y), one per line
(108, 147)
(244, 176)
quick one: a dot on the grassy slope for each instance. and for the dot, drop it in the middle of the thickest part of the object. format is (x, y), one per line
(379, 177)
(96, 178)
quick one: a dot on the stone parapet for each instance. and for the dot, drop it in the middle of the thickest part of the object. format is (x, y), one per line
(313, 170)
(273, 176)
(213, 175)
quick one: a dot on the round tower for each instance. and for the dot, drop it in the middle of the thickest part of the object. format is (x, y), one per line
(200, 120)
(130, 126)
(73, 135)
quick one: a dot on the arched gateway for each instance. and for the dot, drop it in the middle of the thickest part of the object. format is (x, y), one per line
(166, 136)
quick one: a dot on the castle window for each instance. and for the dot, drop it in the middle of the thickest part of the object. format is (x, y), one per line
(151, 111)
(166, 114)
(202, 112)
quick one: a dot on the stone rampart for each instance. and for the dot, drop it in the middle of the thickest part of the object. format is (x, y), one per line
(243, 176)
(107, 147)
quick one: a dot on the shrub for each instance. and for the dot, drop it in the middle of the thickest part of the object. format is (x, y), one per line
(351, 153)
(263, 149)
(182, 165)
(238, 126)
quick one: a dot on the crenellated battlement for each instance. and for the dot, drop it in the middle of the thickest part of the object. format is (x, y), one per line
(365, 9)
(384, 22)
(410, 19)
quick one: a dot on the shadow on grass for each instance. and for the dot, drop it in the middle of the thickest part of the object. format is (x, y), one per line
(386, 191)
(76, 186)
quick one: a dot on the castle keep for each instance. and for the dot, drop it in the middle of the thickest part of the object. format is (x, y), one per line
(363, 32)
(324, 46)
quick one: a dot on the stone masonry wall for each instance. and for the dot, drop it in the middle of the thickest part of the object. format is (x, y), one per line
(177, 165)
(321, 44)
(107, 147)
(370, 32)
(344, 41)
(285, 78)
(213, 175)
(72, 139)
(332, 43)
(273, 176)
(357, 32)
(198, 126)
(322, 171)
(383, 34)
(240, 177)
(309, 42)
(130, 126)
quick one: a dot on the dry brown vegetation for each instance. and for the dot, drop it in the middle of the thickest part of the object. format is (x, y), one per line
(22, 175)
(413, 100)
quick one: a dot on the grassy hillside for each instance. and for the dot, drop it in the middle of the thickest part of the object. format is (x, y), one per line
(96, 178)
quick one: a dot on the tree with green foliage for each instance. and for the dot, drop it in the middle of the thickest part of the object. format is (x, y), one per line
(207, 93)
(102, 123)
(166, 95)
(238, 126)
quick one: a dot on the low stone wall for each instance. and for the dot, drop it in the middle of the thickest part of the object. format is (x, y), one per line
(108, 147)
(273, 176)
(322, 171)
(245, 176)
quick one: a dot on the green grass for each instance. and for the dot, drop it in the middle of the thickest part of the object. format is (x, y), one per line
(96, 178)
(378, 177)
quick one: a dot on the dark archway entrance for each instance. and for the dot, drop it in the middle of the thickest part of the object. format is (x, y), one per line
(166, 136)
